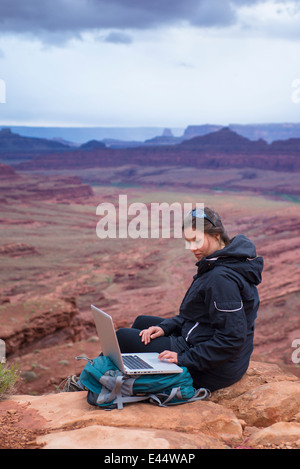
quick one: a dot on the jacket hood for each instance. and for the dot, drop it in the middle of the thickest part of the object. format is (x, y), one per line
(240, 256)
(240, 246)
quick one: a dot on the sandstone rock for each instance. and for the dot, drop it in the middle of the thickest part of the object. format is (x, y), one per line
(67, 421)
(17, 250)
(105, 437)
(268, 404)
(6, 171)
(265, 397)
(258, 374)
(277, 434)
(68, 409)
(33, 322)
(42, 187)
(296, 417)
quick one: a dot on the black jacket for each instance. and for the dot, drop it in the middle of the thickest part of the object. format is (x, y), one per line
(213, 333)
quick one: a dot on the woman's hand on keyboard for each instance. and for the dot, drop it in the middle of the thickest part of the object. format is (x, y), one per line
(171, 357)
(151, 333)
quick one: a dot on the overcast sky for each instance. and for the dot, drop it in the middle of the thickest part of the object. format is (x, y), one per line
(169, 63)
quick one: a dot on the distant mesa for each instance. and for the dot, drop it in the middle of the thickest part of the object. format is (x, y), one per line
(65, 142)
(198, 130)
(269, 132)
(129, 137)
(286, 146)
(92, 145)
(167, 138)
(11, 143)
(167, 133)
(114, 143)
(6, 132)
(225, 140)
(221, 149)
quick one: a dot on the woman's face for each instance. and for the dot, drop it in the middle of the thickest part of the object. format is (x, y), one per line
(202, 244)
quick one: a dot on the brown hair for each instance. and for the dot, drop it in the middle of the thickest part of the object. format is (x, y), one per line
(209, 228)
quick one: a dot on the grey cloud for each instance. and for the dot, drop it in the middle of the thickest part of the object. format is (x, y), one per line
(116, 37)
(58, 20)
(57, 15)
(214, 13)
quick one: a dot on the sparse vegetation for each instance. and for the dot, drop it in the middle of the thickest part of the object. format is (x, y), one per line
(9, 375)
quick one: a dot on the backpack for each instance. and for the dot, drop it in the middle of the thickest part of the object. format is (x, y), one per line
(109, 388)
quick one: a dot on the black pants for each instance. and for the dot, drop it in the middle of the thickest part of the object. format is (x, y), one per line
(130, 340)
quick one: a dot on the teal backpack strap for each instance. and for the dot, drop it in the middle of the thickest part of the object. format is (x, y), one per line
(113, 392)
(205, 394)
(163, 400)
(200, 395)
(118, 392)
(116, 398)
(120, 400)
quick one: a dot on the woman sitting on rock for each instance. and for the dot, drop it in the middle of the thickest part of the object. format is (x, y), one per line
(213, 334)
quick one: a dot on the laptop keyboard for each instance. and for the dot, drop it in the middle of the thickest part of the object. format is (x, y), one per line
(134, 363)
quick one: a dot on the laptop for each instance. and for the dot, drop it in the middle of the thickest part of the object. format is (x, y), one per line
(128, 363)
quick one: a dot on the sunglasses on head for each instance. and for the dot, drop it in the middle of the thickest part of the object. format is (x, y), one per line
(198, 213)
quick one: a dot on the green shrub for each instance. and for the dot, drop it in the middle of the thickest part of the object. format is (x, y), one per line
(8, 378)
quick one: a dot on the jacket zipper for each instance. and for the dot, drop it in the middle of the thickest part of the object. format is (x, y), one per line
(191, 330)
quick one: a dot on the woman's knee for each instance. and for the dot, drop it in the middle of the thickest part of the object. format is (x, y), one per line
(122, 334)
(144, 321)
(139, 322)
(127, 338)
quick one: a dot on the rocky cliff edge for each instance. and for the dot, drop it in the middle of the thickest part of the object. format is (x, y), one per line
(260, 411)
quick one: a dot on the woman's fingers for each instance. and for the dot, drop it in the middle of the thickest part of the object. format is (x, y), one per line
(151, 333)
(171, 357)
(145, 336)
(156, 332)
